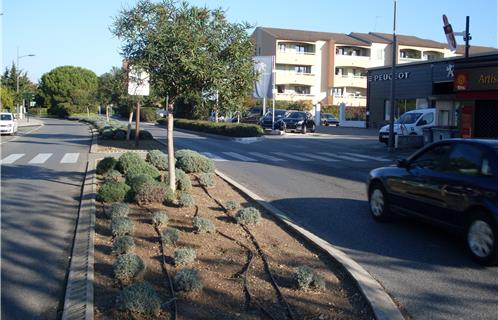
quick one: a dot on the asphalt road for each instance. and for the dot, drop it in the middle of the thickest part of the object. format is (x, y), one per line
(42, 172)
(319, 182)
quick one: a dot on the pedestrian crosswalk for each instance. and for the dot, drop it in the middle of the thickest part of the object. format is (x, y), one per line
(252, 156)
(40, 158)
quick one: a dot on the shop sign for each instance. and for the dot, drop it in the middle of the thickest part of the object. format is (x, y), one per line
(389, 76)
(476, 79)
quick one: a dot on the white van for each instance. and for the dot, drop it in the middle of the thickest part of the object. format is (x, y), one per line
(410, 123)
(8, 123)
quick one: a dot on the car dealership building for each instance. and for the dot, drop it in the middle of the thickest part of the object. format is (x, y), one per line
(463, 91)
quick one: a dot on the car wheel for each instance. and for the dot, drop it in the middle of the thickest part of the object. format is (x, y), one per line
(481, 238)
(313, 128)
(304, 129)
(378, 203)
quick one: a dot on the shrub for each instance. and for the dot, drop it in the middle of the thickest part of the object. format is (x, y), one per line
(119, 134)
(148, 114)
(221, 128)
(187, 280)
(141, 298)
(114, 176)
(185, 200)
(193, 162)
(170, 196)
(151, 192)
(121, 227)
(183, 256)
(248, 216)
(127, 160)
(232, 205)
(143, 134)
(113, 191)
(203, 225)
(158, 159)
(123, 244)
(142, 169)
(105, 165)
(160, 218)
(128, 267)
(107, 134)
(118, 210)
(136, 181)
(170, 236)
(183, 182)
(306, 279)
(207, 180)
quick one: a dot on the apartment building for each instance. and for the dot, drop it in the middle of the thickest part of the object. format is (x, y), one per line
(331, 68)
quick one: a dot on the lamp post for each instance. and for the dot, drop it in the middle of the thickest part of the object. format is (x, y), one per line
(393, 87)
(17, 77)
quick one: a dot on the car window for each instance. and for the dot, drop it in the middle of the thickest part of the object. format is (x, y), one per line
(408, 118)
(297, 115)
(5, 117)
(427, 119)
(466, 159)
(433, 158)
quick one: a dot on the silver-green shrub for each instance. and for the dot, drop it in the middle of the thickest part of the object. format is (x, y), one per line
(183, 256)
(308, 279)
(112, 191)
(185, 200)
(248, 216)
(150, 192)
(128, 268)
(121, 227)
(187, 280)
(128, 160)
(158, 159)
(140, 298)
(232, 205)
(203, 225)
(207, 180)
(170, 236)
(170, 196)
(123, 244)
(118, 210)
(160, 218)
(193, 162)
(183, 182)
(114, 176)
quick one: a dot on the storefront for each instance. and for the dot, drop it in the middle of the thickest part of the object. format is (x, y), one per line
(476, 87)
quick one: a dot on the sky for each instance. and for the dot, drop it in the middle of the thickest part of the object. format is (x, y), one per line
(76, 32)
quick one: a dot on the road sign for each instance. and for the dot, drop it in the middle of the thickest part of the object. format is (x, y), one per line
(450, 36)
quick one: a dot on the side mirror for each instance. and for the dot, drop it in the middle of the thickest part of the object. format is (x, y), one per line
(403, 163)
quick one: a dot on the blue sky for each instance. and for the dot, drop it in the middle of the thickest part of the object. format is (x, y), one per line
(76, 32)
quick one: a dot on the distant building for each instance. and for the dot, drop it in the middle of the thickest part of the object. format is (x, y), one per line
(331, 68)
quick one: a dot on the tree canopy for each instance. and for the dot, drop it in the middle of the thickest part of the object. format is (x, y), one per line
(69, 89)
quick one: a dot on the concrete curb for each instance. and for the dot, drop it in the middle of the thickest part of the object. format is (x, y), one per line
(381, 303)
(219, 137)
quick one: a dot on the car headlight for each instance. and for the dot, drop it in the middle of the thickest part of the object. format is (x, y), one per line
(300, 122)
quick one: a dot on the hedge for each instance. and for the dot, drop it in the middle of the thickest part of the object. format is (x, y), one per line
(240, 130)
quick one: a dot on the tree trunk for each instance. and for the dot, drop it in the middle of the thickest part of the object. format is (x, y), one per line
(171, 149)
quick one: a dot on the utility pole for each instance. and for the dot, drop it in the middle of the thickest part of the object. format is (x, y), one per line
(393, 87)
(18, 73)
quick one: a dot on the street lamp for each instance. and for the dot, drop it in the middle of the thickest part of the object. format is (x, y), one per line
(18, 74)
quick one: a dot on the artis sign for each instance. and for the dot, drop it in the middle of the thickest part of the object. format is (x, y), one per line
(388, 76)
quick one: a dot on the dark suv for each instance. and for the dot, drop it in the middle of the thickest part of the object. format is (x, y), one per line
(266, 121)
(301, 121)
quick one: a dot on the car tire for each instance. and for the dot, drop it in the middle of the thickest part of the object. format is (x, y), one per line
(304, 129)
(378, 203)
(481, 238)
(313, 128)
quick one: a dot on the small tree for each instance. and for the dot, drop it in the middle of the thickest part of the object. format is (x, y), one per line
(186, 49)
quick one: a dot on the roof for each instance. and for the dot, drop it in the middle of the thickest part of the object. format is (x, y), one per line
(473, 50)
(312, 36)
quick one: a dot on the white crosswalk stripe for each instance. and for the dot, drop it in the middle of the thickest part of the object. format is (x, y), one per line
(239, 156)
(291, 156)
(213, 156)
(40, 158)
(12, 158)
(265, 156)
(334, 155)
(317, 157)
(70, 158)
(367, 157)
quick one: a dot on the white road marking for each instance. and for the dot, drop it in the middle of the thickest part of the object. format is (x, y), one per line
(12, 158)
(290, 156)
(40, 158)
(70, 158)
(239, 156)
(367, 157)
(333, 155)
(213, 157)
(265, 156)
(314, 156)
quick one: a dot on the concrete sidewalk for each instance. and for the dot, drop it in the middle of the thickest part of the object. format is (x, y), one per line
(28, 122)
(347, 131)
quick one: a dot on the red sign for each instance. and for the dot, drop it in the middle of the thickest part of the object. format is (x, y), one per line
(461, 82)
(466, 121)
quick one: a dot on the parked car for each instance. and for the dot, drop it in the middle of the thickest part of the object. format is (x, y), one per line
(266, 121)
(297, 121)
(161, 112)
(252, 115)
(8, 123)
(453, 183)
(328, 119)
(410, 123)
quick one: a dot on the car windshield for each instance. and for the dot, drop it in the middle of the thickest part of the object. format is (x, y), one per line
(329, 116)
(408, 118)
(297, 115)
(278, 113)
(6, 117)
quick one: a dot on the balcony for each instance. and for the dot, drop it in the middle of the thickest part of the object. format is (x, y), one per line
(296, 58)
(292, 77)
(292, 96)
(355, 101)
(350, 81)
(352, 61)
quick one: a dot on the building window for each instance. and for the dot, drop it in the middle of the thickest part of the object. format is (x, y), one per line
(401, 106)
(339, 71)
(280, 89)
(282, 47)
(300, 48)
(337, 92)
(302, 69)
(302, 90)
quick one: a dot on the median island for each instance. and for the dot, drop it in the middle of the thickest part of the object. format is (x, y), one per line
(238, 130)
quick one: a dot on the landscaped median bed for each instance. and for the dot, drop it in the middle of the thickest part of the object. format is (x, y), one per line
(204, 252)
(239, 130)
